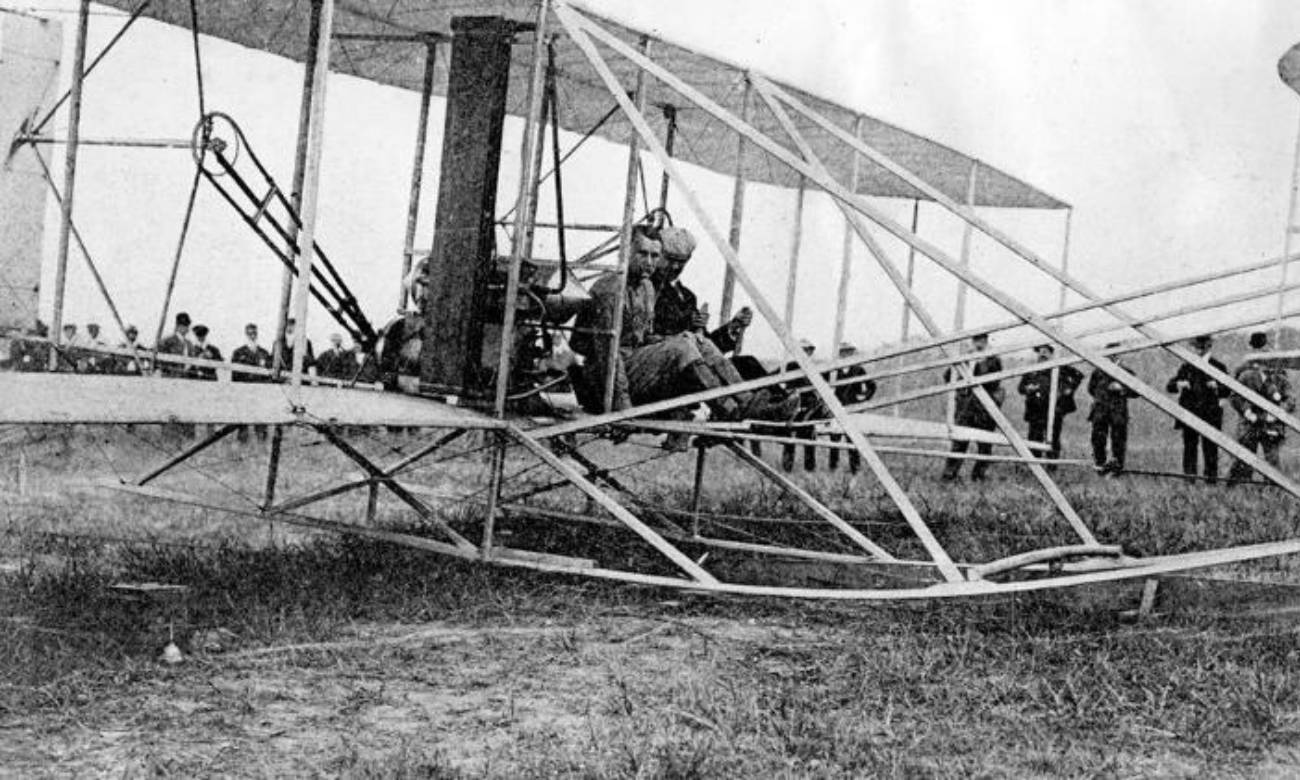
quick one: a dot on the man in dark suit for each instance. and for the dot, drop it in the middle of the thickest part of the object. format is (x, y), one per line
(1109, 418)
(970, 413)
(251, 354)
(1036, 387)
(1199, 394)
(337, 362)
(858, 390)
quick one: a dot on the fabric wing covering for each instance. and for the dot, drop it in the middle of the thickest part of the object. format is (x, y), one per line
(281, 26)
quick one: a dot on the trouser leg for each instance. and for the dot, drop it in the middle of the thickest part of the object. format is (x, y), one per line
(952, 467)
(1191, 441)
(1100, 434)
(809, 452)
(1210, 459)
(1246, 437)
(1119, 441)
(1272, 446)
(1038, 432)
(1055, 452)
(981, 466)
(833, 457)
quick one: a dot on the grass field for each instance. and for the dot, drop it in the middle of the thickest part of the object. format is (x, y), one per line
(307, 654)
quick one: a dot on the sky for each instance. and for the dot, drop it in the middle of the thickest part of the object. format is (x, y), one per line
(1162, 122)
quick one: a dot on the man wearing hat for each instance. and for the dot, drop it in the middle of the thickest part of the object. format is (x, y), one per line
(1109, 418)
(134, 364)
(177, 343)
(250, 353)
(1036, 387)
(1257, 430)
(1199, 394)
(648, 366)
(969, 412)
(202, 349)
(851, 387)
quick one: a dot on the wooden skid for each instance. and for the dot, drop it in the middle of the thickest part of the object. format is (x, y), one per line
(82, 398)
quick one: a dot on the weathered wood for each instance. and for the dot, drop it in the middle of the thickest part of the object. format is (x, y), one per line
(417, 167)
(185, 455)
(69, 177)
(88, 398)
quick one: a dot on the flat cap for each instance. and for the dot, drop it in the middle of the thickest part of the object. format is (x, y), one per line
(678, 243)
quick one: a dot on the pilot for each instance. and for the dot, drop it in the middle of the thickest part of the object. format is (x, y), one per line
(969, 412)
(650, 367)
(1199, 394)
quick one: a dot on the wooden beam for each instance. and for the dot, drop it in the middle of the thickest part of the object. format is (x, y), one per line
(185, 455)
(737, 210)
(417, 167)
(846, 253)
(796, 238)
(69, 177)
(580, 28)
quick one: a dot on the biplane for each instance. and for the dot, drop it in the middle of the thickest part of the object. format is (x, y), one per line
(476, 350)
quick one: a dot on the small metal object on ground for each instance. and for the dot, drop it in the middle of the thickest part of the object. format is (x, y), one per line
(165, 597)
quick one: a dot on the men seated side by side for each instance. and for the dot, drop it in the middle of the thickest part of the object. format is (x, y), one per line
(250, 353)
(676, 307)
(969, 412)
(1036, 387)
(1109, 418)
(1257, 430)
(1199, 394)
(650, 367)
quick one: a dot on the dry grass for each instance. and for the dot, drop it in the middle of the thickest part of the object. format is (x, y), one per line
(315, 655)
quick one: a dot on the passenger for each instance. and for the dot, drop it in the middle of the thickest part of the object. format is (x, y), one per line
(251, 354)
(1109, 418)
(1036, 387)
(1199, 394)
(1257, 430)
(676, 307)
(649, 367)
(969, 412)
(858, 391)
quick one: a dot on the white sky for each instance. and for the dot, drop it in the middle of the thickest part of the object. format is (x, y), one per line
(1162, 122)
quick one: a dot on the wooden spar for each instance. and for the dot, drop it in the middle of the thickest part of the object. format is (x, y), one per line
(579, 28)
(602, 498)
(626, 250)
(127, 143)
(1010, 373)
(315, 496)
(670, 140)
(1055, 383)
(69, 177)
(185, 455)
(493, 496)
(1292, 225)
(846, 254)
(299, 170)
(967, 233)
(311, 187)
(397, 489)
(931, 324)
(1003, 238)
(959, 310)
(697, 489)
(526, 211)
(911, 270)
(796, 237)
(425, 451)
(737, 212)
(417, 167)
(1014, 306)
(810, 501)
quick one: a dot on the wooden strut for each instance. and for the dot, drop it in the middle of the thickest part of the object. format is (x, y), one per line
(69, 177)
(417, 166)
(579, 27)
(1010, 303)
(941, 258)
(610, 505)
(186, 454)
(736, 227)
(846, 252)
(931, 325)
(402, 493)
(796, 238)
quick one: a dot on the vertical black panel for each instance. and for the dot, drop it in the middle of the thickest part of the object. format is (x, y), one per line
(463, 253)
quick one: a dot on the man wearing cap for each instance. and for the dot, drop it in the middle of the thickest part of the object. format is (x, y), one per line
(1036, 387)
(1109, 418)
(1257, 430)
(969, 412)
(136, 363)
(1199, 394)
(650, 367)
(851, 387)
(676, 307)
